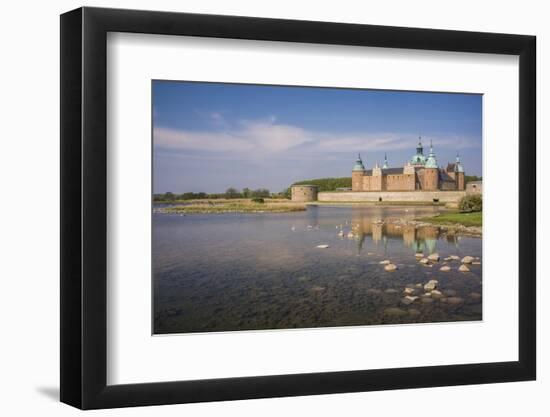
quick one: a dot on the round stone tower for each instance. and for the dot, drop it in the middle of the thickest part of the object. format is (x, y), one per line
(357, 174)
(304, 193)
(459, 174)
(431, 172)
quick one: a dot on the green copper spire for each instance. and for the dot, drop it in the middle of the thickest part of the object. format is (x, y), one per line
(431, 162)
(385, 162)
(358, 164)
(419, 159)
(458, 164)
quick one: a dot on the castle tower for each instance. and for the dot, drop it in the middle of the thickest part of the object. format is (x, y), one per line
(385, 166)
(459, 174)
(431, 172)
(376, 180)
(357, 175)
(419, 159)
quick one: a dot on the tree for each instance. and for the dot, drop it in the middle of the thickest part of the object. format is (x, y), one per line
(232, 192)
(246, 192)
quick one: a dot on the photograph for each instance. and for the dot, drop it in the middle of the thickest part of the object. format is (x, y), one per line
(285, 207)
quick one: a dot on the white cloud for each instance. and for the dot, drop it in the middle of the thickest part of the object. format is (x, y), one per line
(263, 138)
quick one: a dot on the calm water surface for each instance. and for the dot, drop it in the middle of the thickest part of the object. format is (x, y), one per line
(221, 272)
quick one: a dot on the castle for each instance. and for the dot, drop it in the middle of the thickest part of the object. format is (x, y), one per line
(421, 173)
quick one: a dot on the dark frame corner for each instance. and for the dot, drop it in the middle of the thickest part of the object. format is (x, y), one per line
(83, 207)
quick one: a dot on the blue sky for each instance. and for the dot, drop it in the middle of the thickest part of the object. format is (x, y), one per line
(211, 136)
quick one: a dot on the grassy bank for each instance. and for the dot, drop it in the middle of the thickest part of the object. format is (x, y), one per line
(234, 206)
(455, 218)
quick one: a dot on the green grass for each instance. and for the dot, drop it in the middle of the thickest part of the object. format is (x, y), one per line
(236, 206)
(465, 219)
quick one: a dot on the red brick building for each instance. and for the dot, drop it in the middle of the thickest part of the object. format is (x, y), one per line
(420, 173)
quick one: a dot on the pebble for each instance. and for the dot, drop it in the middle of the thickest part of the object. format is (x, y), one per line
(445, 268)
(463, 268)
(385, 262)
(409, 291)
(418, 255)
(424, 261)
(323, 246)
(434, 257)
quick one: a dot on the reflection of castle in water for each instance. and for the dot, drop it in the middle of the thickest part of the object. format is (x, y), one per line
(420, 239)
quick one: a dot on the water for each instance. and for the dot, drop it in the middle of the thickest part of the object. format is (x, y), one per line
(223, 272)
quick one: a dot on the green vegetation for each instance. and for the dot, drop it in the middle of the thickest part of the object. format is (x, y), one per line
(256, 205)
(468, 178)
(230, 193)
(454, 218)
(470, 203)
(328, 184)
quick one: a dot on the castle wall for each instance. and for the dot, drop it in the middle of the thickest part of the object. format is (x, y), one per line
(406, 196)
(399, 182)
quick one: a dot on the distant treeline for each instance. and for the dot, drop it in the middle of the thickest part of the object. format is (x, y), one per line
(468, 178)
(229, 193)
(328, 184)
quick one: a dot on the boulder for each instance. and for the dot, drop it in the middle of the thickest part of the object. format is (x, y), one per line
(390, 267)
(463, 268)
(467, 259)
(434, 257)
(424, 261)
(445, 268)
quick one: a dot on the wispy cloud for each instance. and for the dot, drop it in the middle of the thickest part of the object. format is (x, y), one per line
(266, 137)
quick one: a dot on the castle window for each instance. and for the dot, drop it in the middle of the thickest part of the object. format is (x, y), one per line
(379, 198)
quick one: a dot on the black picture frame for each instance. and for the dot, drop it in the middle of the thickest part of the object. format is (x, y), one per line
(84, 207)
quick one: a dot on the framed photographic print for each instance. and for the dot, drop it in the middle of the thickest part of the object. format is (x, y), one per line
(258, 207)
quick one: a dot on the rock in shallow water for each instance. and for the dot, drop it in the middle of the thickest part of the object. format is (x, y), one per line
(445, 268)
(409, 299)
(467, 259)
(463, 268)
(434, 257)
(430, 285)
(390, 267)
(385, 262)
(323, 246)
(394, 312)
